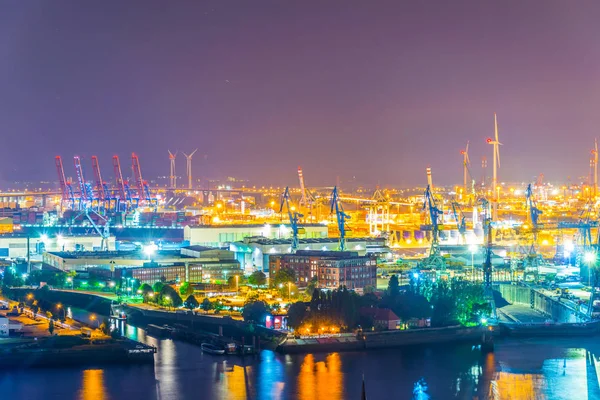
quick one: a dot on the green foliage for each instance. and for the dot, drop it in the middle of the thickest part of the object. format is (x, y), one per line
(257, 278)
(393, 286)
(296, 314)
(255, 312)
(51, 277)
(186, 289)
(283, 276)
(11, 278)
(312, 285)
(206, 305)
(158, 286)
(169, 297)
(191, 302)
(147, 292)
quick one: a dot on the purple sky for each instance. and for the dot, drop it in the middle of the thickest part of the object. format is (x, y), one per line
(378, 90)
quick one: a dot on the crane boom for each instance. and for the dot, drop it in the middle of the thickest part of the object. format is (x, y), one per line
(137, 174)
(61, 178)
(99, 184)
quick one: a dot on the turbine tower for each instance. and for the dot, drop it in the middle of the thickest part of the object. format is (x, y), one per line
(466, 164)
(188, 161)
(172, 176)
(496, 165)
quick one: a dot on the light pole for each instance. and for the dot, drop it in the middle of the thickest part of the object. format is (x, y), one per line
(473, 250)
(289, 291)
(237, 279)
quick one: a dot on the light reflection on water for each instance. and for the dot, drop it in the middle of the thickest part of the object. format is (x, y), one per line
(526, 369)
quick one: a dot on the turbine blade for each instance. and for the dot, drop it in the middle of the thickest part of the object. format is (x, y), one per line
(193, 152)
(467, 149)
(496, 126)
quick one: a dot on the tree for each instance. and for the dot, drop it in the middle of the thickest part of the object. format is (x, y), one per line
(147, 291)
(257, 278)
(186, 289)
(191, 302)
(283, 276)
(157, 287)
(393, 289)
(105, 327)
(255, 312)
(170, 297)
(207, 305)
(51, 326)
(296, 314)
(310, 288)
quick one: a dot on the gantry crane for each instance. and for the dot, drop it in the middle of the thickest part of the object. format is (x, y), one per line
(293, 217)
(122, 196)
(341, 217)
(65, 186)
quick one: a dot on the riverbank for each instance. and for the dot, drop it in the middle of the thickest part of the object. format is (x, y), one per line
(387, 339)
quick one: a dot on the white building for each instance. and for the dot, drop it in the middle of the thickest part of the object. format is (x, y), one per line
(14, 245)
(223, 235)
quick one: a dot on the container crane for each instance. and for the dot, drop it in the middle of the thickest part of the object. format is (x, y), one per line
(341, 216)
(86, 195)
(137, 175)
(103, 232)
(102, 191)
(120, 184)
(293, 217)
(435, 259)
(65, 187)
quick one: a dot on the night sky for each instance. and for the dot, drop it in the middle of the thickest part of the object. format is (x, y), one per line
(376, 90)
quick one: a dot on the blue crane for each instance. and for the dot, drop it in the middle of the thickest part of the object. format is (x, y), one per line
(434, 216)
(459, 217)
(341, 216)
(293, 216)
(534, 212)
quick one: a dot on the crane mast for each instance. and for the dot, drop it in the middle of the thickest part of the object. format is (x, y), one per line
(341, 216)
(137, 174)
(119, 182)
(293, 217)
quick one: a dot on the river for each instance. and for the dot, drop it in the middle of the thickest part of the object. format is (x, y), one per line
(518, 369)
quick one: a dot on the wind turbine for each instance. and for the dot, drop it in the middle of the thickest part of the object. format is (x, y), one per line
(496, 164)
(188, 159)
(466, 164)
(172, 176)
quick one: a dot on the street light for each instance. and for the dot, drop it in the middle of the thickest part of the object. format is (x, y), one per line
(473, 250)
(237, 279)
(289, 291)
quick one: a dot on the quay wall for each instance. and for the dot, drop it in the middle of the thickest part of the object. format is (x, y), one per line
(555, 310)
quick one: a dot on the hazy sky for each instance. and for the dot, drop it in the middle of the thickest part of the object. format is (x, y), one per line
(374, 89)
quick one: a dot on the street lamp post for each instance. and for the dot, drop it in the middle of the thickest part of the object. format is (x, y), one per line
(237, 279)
(289, 291)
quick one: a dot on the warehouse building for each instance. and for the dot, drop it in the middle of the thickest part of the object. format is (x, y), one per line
(223, 235)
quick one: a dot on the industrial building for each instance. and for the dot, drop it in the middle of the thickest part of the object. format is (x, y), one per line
(332, 268)
(223, 235)
(192, 264)
(253, 252)
(14, 245)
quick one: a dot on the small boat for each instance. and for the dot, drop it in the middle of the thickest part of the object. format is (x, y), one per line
(211, 349)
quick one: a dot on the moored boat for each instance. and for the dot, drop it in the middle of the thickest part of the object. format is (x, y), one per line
(211, 349)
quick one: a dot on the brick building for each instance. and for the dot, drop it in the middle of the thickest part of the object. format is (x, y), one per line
(332, 268)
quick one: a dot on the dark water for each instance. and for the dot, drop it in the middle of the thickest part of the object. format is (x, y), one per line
(523, 369)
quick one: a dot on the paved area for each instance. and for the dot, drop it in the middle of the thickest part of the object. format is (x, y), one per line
(520, 313)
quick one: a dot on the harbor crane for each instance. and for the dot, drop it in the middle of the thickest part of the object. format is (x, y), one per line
(65, 186)
(459, 217)
(435, 259)
(341, 216)
(293, 217)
